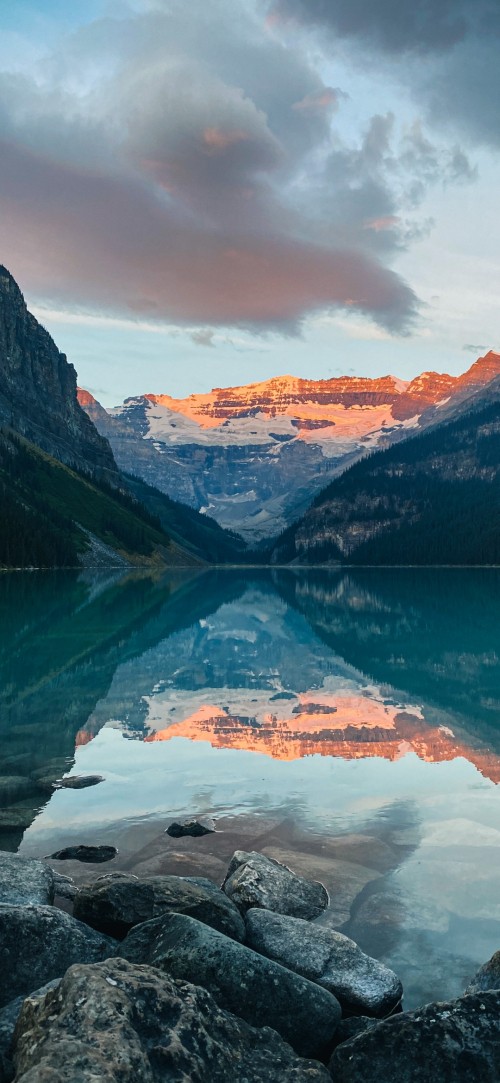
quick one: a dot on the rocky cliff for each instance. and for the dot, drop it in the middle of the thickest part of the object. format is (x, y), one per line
(38, 390)
(254, 457)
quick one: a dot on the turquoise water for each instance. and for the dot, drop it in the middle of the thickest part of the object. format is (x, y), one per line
(348, 723)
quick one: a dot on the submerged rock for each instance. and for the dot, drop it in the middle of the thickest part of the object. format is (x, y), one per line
(487, 977)
(78, 782)
(205, 825)
(24, 880)
(38, 943)
(255, 880)
(360, 983)
(92, 854)
(114, 904)
(150, 1028)
(454, 1042)
(255, 988)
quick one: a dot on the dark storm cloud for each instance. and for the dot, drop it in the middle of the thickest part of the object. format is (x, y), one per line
(395, 26)
(445, 51)
(184, 168)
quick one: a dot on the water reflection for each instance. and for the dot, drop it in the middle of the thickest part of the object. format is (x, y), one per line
(345, 723)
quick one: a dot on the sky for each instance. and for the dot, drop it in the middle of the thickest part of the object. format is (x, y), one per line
(204, 194)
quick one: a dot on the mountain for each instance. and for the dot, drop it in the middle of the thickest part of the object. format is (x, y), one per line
(64, 501)
(38, 390)
(433, 499)
(254, 457)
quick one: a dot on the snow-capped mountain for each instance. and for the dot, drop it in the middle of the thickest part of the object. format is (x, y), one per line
(254, 457)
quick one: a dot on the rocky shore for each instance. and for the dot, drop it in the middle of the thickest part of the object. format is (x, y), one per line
(174, 978)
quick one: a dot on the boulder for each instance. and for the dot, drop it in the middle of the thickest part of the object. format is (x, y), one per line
(38, 943)
(203, 826)
(343, 880)
(487, 977)
(115, 904)
(351, 1027)
(118, 1023)
(9, 1016)
(454, 1042)
(78, 782)
(258, 990)
(361, 984)
(64, 886)
(92, 854)
(24, 880)
(255, 880)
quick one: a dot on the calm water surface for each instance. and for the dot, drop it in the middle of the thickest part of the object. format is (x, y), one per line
(346, 723)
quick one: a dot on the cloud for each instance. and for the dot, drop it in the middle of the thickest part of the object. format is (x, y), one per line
(203, 337)
(423, 26)
(444, 51)
(186, 169)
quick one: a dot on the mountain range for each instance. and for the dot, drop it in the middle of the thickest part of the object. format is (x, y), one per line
(433, 499)
(64, 500)
(254, 457)
(341, 471)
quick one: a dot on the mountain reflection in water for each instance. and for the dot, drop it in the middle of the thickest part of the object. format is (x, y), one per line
(345, 723)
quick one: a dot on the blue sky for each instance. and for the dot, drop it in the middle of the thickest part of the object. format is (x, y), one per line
(204, 195)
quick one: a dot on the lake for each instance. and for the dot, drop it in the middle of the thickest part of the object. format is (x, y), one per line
(346, 723)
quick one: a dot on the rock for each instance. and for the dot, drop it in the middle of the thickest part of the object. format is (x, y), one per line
(125, 1024)
(361, 984)
(10, 1014)
(258, 990)
(38, 943)
(64, 886)
(92, 854)
(454, 1042)
(115, 904)
(203, 826)
(343, 880)
(79, 782)
(255, 880)
(487, 977)
(14, 788)
(11, 819)
(351, 1027)
(24, 880)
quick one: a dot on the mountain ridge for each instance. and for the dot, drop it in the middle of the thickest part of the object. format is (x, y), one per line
(254, 456)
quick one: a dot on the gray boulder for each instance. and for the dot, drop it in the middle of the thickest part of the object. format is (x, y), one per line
(115, 904)
(258, 990)
(487, 977)
(117, 1023)
(24, 880)
(38, 943)
(454, 1042)
(255, 880)
(361, 984)
(204, 825)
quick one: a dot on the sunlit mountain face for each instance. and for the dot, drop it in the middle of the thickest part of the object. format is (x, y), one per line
(255, 456)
